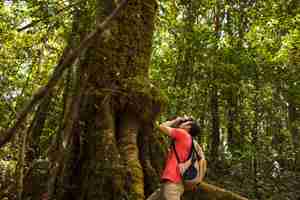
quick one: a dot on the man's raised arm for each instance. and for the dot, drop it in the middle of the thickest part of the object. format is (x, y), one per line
(166, 127)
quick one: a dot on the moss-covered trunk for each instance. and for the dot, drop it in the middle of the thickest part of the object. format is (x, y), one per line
(100, 157)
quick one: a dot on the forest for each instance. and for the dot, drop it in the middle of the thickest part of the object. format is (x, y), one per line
(85, 83)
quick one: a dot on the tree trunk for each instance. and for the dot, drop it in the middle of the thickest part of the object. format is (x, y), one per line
(255, 135)
(36, 130)
(214, 100)
(234, 138)
(215, 143)
(100, 157)
(207, 191)
(295, 132)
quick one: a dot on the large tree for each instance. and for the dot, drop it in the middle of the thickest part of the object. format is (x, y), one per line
(111, 112)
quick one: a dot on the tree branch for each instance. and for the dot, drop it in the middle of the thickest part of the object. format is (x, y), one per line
(212, 192)
(64, 63)
(35, 22)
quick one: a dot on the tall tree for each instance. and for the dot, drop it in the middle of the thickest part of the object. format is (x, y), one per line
(100, 148)
(214, 90)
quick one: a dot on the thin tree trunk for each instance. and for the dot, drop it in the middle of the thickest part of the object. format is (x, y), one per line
(233, 137)
(214, 101)
(255, 153)
(36, 130)
(295, 132)
(215, 140)
(255, 134)
(21, 166)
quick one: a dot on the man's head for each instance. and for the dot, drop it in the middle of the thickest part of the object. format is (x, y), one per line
(191, 127)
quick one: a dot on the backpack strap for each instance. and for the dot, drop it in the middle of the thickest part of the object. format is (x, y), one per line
(174, 148)
(190, 154)
(199, 157)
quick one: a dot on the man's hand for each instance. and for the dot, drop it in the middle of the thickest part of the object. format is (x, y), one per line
(175, 122)
(166, 126)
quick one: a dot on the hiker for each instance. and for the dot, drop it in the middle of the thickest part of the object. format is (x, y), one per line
(181, 130)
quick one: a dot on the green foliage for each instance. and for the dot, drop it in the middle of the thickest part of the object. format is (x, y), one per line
(252, 60)
(32, 38)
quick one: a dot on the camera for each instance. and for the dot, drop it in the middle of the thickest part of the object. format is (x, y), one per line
(186, 119)
(180, 120)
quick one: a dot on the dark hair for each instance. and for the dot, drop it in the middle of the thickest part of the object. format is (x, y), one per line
(195, 129)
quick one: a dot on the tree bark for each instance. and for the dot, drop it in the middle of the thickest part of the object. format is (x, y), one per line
(214, 100)
(215, 143)
(233, 137)
(295, 131)
(100, 156)
(128, 146)
(38, 123)
(208, 191)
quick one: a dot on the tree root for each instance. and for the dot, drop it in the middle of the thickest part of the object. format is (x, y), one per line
(208, 191)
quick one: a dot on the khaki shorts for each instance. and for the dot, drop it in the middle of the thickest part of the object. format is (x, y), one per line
(168, 191)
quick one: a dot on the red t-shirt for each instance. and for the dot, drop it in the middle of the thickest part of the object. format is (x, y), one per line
(183, 143)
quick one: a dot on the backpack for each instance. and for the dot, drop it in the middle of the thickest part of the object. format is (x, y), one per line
(194, 168)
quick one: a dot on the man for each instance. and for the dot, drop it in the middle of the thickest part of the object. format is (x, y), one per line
(172, 185)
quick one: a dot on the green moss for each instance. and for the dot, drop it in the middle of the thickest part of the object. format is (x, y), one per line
(140, 96)
(137, 95)
(137, 184)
